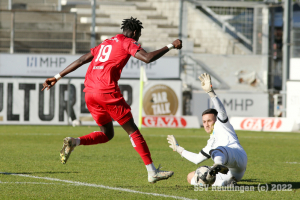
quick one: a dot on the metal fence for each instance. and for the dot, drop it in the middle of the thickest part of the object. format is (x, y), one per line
(245, 21)
(240, 18)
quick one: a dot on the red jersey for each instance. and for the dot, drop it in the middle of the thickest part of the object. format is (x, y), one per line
(110, 57)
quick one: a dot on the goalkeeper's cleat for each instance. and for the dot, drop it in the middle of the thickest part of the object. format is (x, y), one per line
(160, 175)
(68, 147)
(216, 168)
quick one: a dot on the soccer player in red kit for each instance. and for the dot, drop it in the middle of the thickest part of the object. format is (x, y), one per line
(102, 94)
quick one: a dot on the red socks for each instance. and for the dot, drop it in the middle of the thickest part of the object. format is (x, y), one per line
(140, 146)
(93, 138)
(136, 139)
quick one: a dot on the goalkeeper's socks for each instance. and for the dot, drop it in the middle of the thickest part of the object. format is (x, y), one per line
(140, 145)
(218, 157)
(93, 138)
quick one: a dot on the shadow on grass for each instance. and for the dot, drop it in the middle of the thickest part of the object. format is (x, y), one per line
(272, 186)
(176, 187)
(250, 180)
(245, 184)
(292, 185)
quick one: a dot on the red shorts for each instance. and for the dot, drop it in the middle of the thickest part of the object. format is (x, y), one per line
(105, 106)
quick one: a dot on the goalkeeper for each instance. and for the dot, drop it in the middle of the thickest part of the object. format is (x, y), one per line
(223, 146)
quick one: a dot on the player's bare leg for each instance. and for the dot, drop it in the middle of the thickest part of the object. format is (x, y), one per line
(106, 134)
(140, 145)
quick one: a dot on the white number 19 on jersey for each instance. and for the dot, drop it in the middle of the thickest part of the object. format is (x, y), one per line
(104, 53)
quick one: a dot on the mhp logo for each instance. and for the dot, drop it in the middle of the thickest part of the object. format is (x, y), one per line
(42, 61)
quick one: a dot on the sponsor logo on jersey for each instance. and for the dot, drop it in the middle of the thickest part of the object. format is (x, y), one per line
(114, 39)
(98, 67)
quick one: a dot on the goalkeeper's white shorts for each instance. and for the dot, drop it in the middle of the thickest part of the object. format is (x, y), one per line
(236, 159)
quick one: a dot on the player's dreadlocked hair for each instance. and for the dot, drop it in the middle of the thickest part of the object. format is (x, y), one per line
(132, 24)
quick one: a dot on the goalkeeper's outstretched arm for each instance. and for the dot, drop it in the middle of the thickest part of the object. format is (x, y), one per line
(222, 115)
(207, 87)
(193, 157)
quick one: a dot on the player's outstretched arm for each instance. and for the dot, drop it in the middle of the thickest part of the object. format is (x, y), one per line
(72, 67)
(193, 157)
(207, 87)
(154, 55)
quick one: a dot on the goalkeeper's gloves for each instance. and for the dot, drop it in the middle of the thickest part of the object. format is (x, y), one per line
(174, 144)
(206, 84)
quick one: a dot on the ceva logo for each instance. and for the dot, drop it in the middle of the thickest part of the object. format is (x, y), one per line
(164, 121)
(261, 124)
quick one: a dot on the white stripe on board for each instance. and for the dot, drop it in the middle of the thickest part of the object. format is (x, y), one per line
(97, 186)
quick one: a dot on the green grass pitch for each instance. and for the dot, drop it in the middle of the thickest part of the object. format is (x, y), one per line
(115, 171)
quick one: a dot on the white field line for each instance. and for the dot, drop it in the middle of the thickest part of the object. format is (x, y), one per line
(292, 162)
(163, 136)
(97, 186)
(206, 137)
(34, 183)
(36, 134)
(270, 136)
(179, 136)
(39, 134)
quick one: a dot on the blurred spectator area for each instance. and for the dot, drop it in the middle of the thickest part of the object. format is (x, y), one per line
(208, 27)
(37, 27)
(38, 32)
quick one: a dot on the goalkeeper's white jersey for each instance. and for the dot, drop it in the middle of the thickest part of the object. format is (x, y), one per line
(222, 135)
